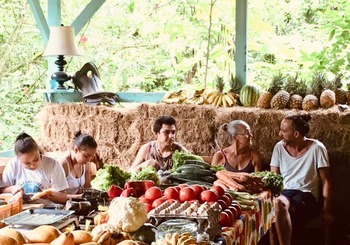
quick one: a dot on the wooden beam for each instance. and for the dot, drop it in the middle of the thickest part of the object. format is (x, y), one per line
(241, 41)
(40, 19)
(85, 16)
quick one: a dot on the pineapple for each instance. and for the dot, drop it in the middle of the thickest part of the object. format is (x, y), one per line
(318, 84)
(310, 102)
(235, 87)
(327, 98)
(297, 89)
(265, 98)
(280, 100)
(340, 94)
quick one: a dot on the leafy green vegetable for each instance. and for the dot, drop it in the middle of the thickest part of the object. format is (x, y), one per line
(108, 175)
(271, 181)
(217, 168)
(180, 158)
(147, 173)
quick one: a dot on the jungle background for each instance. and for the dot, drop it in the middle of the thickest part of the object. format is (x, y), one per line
(165, 45)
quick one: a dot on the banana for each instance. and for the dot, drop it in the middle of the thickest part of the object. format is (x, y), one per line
(229, 100)
(219, 101)
(200, 100)
(198, 92)
(224, 101)
(232, 97)
(215, 100)
(211, 96)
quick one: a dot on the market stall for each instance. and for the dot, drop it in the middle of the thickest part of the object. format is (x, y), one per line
(139, 207)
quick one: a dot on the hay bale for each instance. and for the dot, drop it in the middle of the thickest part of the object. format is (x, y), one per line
(120, 131)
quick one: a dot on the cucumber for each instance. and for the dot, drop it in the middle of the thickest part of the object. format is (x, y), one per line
(200, 172)
(189, 166)
(200, 163)
(209, 179)
(185, 176)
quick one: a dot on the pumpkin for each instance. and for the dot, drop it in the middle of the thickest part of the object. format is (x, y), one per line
(249, 95)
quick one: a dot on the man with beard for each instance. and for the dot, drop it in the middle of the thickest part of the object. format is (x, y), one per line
(304, 166)
(158, 153)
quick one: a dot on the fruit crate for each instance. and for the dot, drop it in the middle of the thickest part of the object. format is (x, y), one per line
(12, 208)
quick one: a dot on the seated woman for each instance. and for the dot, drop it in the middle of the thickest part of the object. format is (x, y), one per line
(239, 156)
(78, 163)
(158, 153)
(32, 172)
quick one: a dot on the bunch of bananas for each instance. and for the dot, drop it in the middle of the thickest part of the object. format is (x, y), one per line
(198, 98)
(174, 97)
(218, 99)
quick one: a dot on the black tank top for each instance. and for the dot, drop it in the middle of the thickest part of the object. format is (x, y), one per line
(248, 169)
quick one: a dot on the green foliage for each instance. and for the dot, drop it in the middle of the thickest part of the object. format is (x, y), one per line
(163, 46)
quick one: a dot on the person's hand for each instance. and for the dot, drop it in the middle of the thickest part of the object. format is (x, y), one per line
(17, 189)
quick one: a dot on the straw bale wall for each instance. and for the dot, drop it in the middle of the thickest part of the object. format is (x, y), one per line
(120, 131)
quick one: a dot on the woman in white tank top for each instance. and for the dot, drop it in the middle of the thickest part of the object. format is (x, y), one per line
(78, 163)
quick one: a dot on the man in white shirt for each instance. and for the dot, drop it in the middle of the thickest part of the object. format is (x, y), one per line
(304, 166)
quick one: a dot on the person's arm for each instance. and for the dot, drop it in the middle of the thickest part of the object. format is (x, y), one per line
(140, 160)
(57, 197)
(324, 174)
(275, 169)
(218, 159)
(90, 173)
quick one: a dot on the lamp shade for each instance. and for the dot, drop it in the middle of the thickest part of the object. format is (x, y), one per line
(61, 42)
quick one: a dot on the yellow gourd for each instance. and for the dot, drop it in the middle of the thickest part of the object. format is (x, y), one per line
(66, 238)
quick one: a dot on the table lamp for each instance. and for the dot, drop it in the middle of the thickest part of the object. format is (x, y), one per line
(61, 43)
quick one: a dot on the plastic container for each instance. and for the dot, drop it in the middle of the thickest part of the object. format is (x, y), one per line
(176, 225)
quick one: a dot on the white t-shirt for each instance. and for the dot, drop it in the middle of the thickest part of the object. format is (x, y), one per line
(300, 173)
(49, 175)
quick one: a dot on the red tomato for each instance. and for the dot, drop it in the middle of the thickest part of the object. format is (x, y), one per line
(198, 190)
(224, 220)
(171, 193)
(209, 196)
(226, 199)
(219, 190)
(145, 200)
(182, 186)
(187, 194)
(177, 188)
(148, 207)
(234, 211)
(114, 191)
(239, 208)
(130, 192)
(153, 193)
(222, 204)
(231, 214)
(228, 196)
(158, 201)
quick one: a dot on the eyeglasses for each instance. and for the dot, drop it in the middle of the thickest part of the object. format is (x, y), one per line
(247, 133)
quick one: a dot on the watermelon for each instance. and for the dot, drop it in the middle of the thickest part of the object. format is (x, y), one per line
(249, 95)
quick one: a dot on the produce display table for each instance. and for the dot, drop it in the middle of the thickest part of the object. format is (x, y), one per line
(252, 225)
